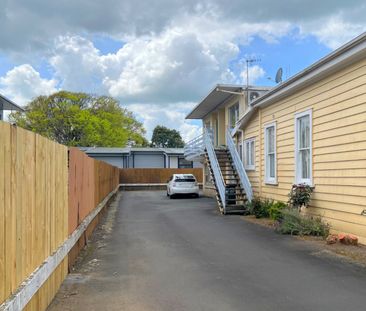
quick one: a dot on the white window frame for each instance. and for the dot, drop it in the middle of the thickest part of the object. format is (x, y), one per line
(267, 178)
(236, 116)
(298, 179)
(249, 167)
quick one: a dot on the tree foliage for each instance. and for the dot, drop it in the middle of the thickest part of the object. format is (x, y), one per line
(166, 138)
(79, 119)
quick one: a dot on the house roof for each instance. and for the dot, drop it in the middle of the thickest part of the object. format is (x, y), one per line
(218, 95)
(105, 150)
(128, 150)
(7, 104)
(347, 54)
(213, 99)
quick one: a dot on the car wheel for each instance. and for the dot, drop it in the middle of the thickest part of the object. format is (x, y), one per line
(172, 196)
(196, 195)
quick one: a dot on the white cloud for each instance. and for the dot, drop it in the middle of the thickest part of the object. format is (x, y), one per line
(333, 31)
(171, 116)
(77, 64)
(172, 54)
(179, 64)
(255, 72)
(23, 83)
(34, 23)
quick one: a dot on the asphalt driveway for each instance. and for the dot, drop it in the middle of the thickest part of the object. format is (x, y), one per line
(153, 253)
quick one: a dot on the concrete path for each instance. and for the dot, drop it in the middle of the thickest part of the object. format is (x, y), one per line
(152, 253)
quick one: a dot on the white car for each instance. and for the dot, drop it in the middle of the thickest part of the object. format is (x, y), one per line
(182, 184)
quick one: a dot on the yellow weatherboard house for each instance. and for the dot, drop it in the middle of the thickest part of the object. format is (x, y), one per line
(309, 129)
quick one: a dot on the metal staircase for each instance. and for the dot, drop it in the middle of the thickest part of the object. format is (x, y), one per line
(232, 186)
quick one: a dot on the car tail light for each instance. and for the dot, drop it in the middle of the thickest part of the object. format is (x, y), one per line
(195, 183)
(174, 184)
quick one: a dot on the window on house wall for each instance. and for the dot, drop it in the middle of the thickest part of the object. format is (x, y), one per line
(249, 154)
(270, 153)
(216, 132)
(303, 147)
(233, 115)
(183, 163)
(208, 125)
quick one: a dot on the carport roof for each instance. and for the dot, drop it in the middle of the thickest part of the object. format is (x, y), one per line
(213, 99)
(218, 95)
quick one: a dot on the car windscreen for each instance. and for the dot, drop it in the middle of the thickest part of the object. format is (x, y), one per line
(184, 180)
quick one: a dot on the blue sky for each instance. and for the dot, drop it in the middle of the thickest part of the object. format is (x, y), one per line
(160, 60)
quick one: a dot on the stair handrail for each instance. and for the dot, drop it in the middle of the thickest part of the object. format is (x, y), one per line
(215, 166)
(244, 180)
(195, 148)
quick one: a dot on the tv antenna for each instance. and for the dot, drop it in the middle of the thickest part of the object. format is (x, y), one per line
(250, 61)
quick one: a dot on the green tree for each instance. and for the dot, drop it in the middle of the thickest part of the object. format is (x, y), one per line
(79, 119)
(166, 138)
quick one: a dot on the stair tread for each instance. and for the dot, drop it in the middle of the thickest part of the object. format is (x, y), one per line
(231, 206)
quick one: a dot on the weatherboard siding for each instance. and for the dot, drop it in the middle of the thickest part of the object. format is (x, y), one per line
(338, 104)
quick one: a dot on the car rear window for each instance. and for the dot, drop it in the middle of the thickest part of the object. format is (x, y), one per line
(188, 179)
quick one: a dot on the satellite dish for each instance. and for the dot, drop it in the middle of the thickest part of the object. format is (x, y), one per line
(279, 75)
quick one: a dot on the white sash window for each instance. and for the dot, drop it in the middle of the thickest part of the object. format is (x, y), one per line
(303, 147)
(270, 153)
(249, 154)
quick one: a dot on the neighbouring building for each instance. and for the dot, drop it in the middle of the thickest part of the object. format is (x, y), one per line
(7, 104)
(134, 157)
(308, 129)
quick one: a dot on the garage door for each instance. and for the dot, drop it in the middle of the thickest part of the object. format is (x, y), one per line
(149, 161)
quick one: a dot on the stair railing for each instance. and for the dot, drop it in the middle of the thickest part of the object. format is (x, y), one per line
(244, 180)
(215, 166)
(194, 149)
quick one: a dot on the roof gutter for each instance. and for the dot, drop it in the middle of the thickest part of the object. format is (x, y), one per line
(349, 53)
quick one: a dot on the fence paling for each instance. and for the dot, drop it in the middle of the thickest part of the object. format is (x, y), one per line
(28, 185)
(90, 181)
(155, 175)
(41, 203)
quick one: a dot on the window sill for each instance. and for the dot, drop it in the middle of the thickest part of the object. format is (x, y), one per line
(271, 183)
(311, 185)
(250, 169)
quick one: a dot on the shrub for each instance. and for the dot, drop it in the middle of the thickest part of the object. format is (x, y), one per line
(275, 210)
(260, 208)
(294, 223)
(300, 195)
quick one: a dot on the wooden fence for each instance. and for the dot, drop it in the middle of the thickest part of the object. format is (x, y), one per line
(90, 181)
(42, 201)
(33, 210)
(155, 175)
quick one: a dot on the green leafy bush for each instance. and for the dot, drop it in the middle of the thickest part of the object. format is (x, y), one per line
(294, 223)
(275, 210)
(300, 195)
(260, 208)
